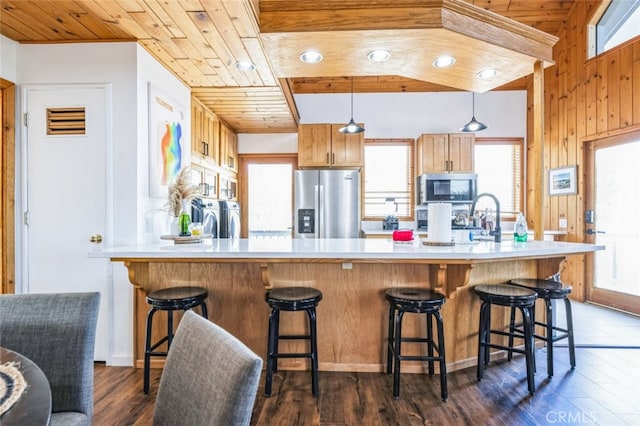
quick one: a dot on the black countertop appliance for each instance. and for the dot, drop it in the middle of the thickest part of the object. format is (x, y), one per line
(390, 223)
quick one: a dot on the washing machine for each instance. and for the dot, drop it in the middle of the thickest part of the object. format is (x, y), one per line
(229, 219)
(206, 212)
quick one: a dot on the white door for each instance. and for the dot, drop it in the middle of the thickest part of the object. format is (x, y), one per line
(66, 200)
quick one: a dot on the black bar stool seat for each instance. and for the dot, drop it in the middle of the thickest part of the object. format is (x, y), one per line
(515, 297)
(418, 301)
(169, 300)
(549, 290)
(292, 299)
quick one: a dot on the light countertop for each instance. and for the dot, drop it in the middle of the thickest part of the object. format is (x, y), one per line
(422, 233)
(356, 248)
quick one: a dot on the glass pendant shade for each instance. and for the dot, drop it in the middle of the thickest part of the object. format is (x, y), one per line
(351, 126)
(473, 125)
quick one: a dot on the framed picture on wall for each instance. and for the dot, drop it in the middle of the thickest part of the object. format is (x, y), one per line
(168, 150)
(563, 181)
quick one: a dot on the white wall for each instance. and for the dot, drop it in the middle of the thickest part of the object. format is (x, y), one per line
(128, 69)
(267, 143)
(408, 115)
(114, 64)
(402, 115)
(8, 49)
(152, 220)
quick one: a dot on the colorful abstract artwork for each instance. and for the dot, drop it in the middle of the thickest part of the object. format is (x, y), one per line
(166, 141)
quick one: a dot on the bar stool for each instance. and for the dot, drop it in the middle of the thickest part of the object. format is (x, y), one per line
(549, 290)
(292, 299)
(417, 301)
(516, 298)
(169, 300)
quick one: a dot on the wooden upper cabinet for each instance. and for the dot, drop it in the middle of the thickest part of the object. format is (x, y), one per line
(204, 133)
(347, 150)
(197, 117)
(314, 145)
(322, 145)
(444, 153)
(461, 152)
(228, 148)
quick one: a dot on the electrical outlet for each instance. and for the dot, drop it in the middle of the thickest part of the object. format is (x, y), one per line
(562, 223)
(347, 265)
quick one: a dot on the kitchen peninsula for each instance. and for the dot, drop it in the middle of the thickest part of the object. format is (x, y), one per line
(352, 275)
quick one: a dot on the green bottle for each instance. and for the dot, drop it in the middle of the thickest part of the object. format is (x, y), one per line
(184, 220)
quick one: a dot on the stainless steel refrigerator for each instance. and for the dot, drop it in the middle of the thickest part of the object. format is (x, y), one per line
(327, 204)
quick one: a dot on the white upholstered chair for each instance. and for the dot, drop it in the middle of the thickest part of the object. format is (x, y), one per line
(209, 378)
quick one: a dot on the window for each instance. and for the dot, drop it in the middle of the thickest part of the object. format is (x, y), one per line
(265, 194)
(616, 22)
(388, 183)
(499, 167)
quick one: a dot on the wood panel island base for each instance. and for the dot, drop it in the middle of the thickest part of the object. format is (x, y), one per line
(352, 275)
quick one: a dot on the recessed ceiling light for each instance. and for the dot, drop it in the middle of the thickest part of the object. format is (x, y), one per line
(488, 73)
(444, 61)
(311, 57)
(379, 55)
(245, 66)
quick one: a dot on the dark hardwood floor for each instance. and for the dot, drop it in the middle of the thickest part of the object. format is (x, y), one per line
(603, 389)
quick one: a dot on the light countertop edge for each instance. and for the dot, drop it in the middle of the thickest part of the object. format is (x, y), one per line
(356, 248)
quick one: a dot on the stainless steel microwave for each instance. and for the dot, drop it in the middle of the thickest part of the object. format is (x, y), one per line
(447, 187)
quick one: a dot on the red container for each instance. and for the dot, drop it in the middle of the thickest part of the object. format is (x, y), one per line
(403, 235)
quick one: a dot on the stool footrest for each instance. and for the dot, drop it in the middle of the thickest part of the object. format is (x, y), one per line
(419, 358)
(564, 334)
(416, 339)
(518, 334)
(293, 355)
(505, 348)
(295, 337)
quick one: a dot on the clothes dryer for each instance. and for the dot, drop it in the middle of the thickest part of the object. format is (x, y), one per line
(229, 219)
(207, 212)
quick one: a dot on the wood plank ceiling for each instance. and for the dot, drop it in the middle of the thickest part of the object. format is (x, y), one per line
(200, 41)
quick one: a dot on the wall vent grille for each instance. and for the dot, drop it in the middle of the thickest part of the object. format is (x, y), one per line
(66, 121)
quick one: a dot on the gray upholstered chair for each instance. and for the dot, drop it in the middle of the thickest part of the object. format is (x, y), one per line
(57, 331)
(209, 378)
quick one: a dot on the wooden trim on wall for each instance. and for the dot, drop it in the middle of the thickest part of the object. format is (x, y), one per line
(536, 159)
(243, 189)
(7, 191)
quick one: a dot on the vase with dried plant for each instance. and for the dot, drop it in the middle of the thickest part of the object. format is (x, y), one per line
(181, 192)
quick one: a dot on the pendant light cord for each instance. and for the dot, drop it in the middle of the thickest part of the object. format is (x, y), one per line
(473, 104)
(352, 97)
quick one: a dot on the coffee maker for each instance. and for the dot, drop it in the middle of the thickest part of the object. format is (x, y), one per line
(390, 223)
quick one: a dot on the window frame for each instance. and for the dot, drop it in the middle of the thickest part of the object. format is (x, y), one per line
(411, 143)
(595, 47)
(522, 181)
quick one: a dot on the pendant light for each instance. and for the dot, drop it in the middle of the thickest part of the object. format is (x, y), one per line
(351, 126)
(473, 125)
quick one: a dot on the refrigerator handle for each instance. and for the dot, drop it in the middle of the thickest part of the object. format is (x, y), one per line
(320, 211)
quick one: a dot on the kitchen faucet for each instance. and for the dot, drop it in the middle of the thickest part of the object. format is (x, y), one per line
(496, 231)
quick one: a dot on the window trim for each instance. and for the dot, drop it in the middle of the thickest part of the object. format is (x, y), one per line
(412, 147)
(523, 162)
(592, 26)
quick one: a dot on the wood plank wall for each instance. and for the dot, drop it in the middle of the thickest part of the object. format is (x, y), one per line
(584, 99)
(7, 192)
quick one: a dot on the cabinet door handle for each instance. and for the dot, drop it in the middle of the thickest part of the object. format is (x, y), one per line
(333, 158)
(328, 158)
